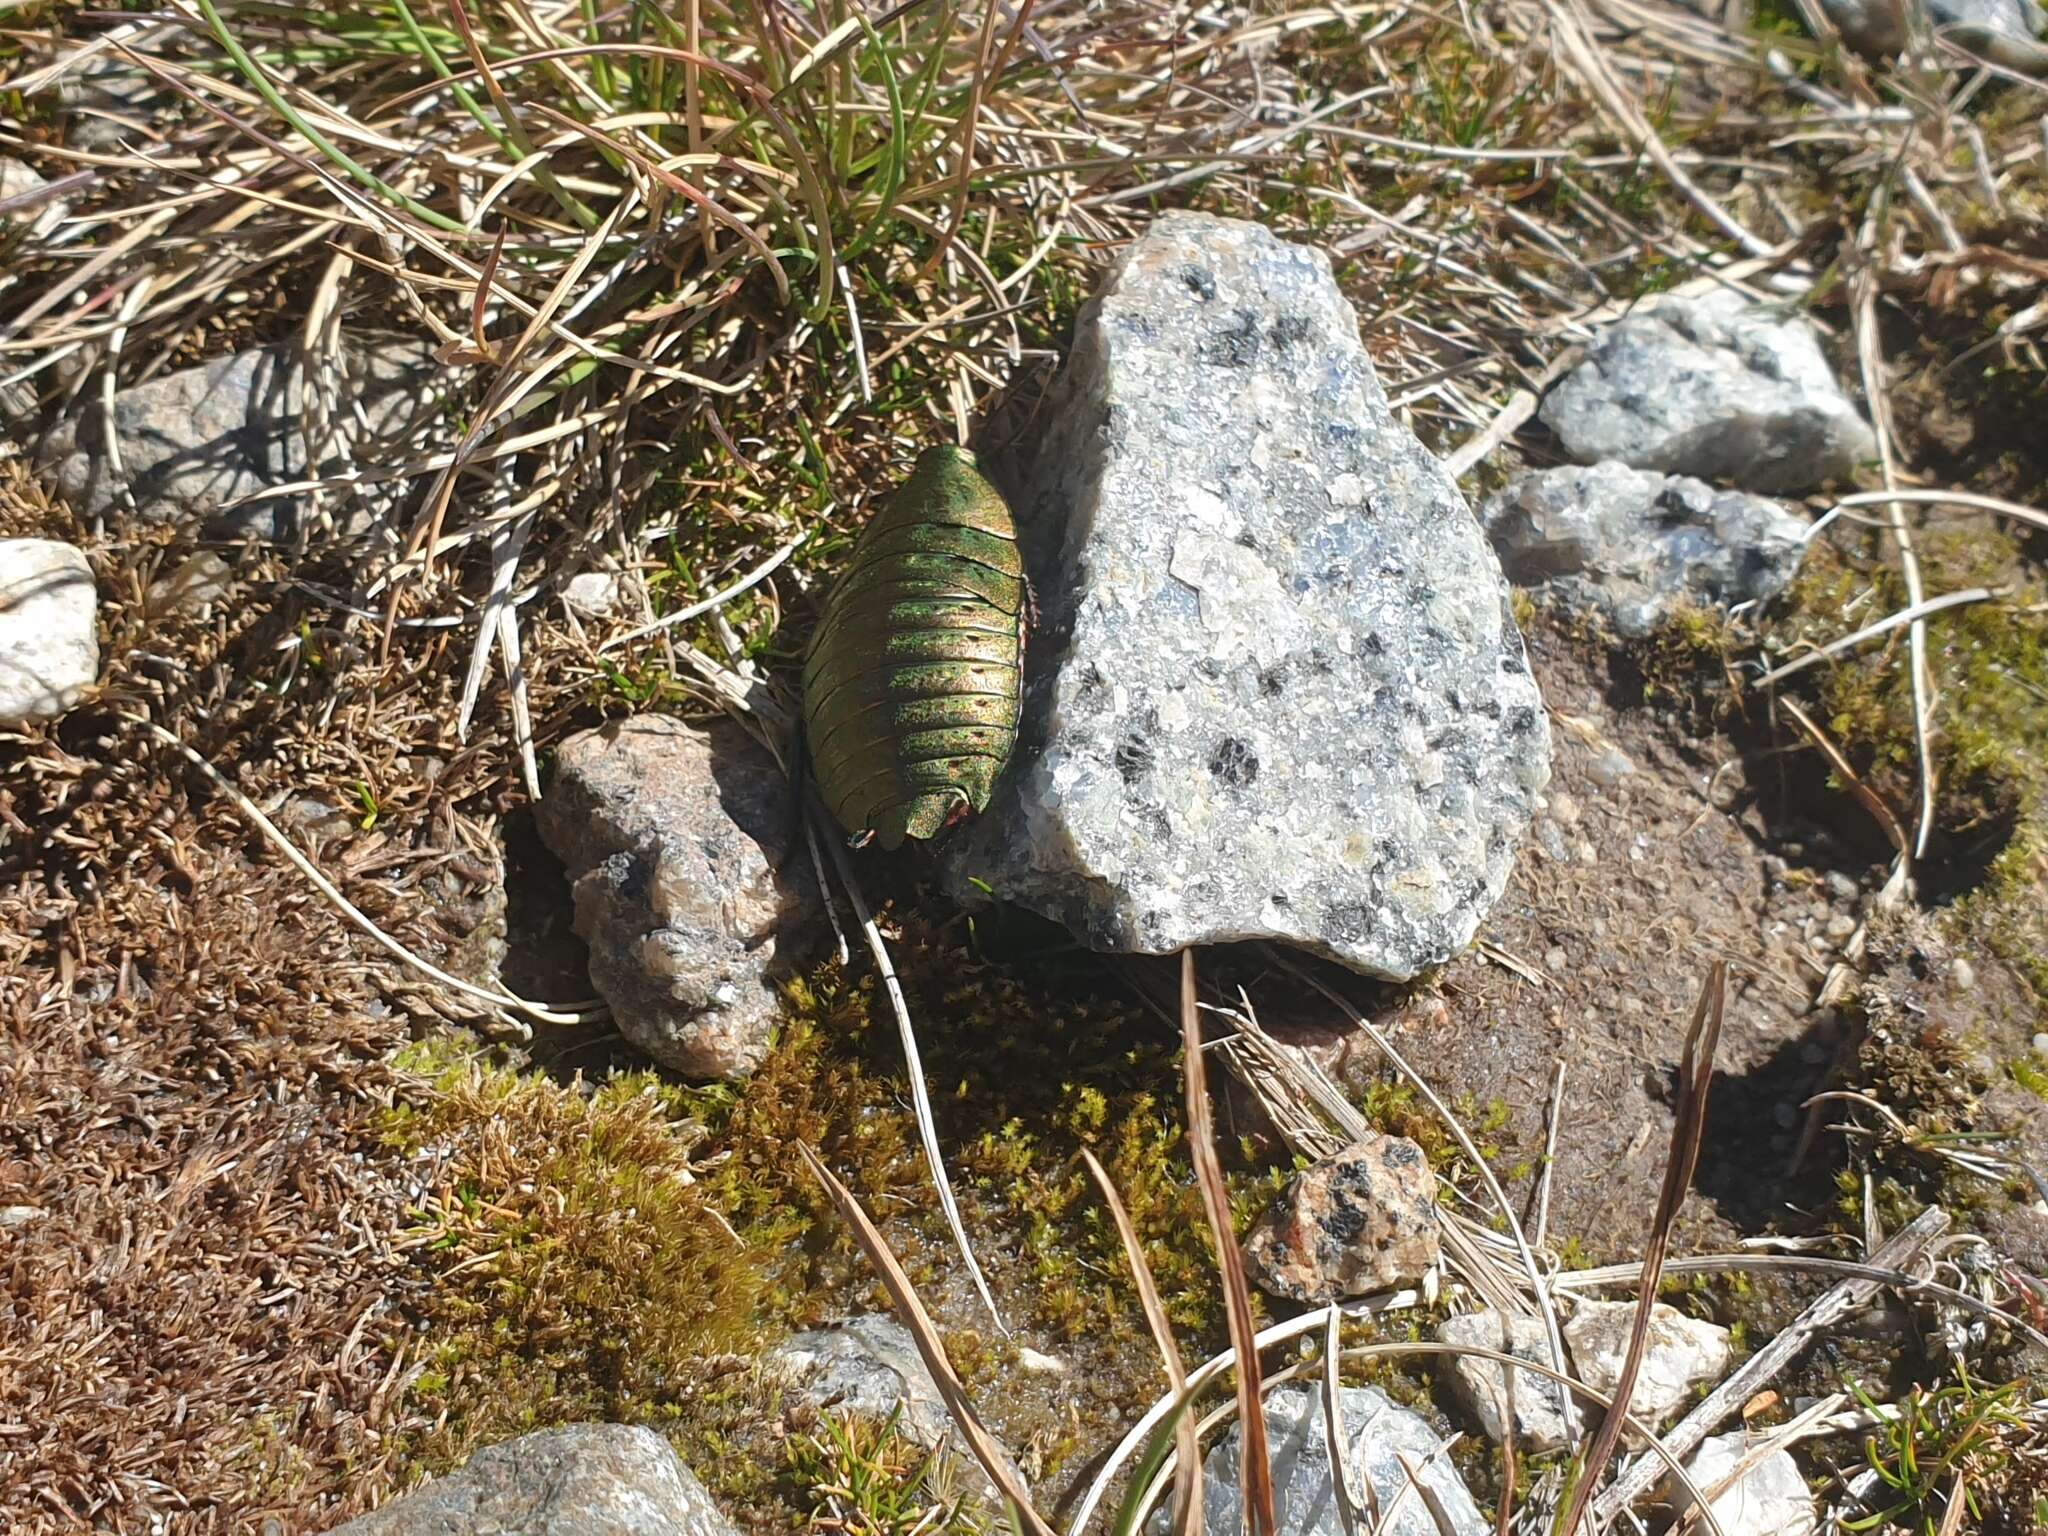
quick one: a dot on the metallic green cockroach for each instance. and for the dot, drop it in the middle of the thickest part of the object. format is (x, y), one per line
(915, 676)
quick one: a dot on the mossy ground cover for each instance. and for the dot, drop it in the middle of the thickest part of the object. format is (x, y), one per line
(929, 201)
(613, 1247)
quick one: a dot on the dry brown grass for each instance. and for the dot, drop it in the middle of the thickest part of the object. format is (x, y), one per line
(198, 1323)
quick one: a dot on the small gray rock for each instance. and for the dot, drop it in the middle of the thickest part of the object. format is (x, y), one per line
(867, 1365)
(190, 443)
(1276, 692)
(20, 184)
(2006, 32)
(1714, 386)
(1683, 1353)
(201, 446)
(109, 101)
(1303, 1499)
(1360, 1220)
(676, 839)
(1633, 545)
(1547, 1417)
(49, 630)
(1771, 1499)
(584, 1480)
(592, 592)
(193, 587)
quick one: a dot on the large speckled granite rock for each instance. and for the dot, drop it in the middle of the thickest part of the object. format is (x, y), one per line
(676, 840)
(1714, 386)
(582, 1480)
(1276, 692)
(1633, 545)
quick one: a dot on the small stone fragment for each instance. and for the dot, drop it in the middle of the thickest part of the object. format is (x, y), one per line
(49, 630)
(1361, 1220)
(1683, 1353)
(19, 203)
(1547, 1418)
(592, 592)
(592, 1479)
(1771, 1499)
(1304, 1502)
(1609, 767)
(1716, 387)
(195, 586)
(1634, 546)
(109, 101)
(676, 841)
(866, 1365)
(2006, 32)
(1276, 691)
(1962, 975)
(202, 446)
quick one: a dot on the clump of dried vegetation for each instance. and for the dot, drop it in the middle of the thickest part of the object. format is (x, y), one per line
(694, 278)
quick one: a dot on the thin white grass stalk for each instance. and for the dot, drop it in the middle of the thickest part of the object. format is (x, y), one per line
(824, 880)
(1148, 1424)
(717, 599)
(1538, 1285)
(508, 541)
(2032, 516)
(1685, 1437)
(920, 1097)
(522, 707)
(1870, 360)
(1883, 626)
(1336, 1438)
(1431, 1499)
(503, 1001)
(931, 1349)
(1549, 1155)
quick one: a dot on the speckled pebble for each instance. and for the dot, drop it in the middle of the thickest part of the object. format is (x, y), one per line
(1361, 1220)
(2041, 1044)
(1963, 975)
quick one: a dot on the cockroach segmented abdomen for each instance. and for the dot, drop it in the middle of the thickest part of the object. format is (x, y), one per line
(914, 679)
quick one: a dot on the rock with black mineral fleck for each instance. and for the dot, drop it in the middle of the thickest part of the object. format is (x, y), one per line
(1358, 1221)
(676, 840)
(1634, 546)
(1276, 691)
